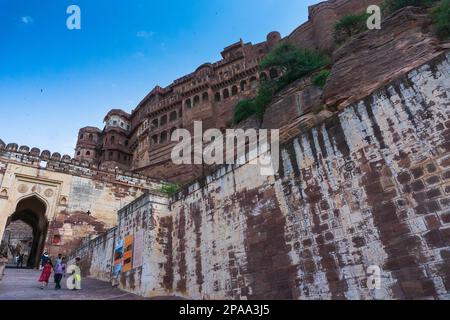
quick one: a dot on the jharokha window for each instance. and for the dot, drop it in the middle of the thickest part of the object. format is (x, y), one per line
(226, 93)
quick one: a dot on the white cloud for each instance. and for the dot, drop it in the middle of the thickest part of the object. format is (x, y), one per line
(26, 19)
(145, 34)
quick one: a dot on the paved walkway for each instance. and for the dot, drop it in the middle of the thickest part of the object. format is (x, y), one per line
(22, 284)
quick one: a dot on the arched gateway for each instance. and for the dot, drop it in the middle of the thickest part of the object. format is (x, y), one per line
(31, 210)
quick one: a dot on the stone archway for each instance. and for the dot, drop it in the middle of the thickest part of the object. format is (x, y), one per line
(31, 210)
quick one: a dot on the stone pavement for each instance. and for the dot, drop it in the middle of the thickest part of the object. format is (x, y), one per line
(22, 284)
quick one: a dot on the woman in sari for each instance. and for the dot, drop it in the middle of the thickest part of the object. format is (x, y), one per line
(45, 274)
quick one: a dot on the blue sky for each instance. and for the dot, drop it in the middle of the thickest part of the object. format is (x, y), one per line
(54, 81)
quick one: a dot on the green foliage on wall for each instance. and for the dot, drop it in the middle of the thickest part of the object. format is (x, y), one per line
(169, 188)
(321, 78)
(294, 63)
(441, 19)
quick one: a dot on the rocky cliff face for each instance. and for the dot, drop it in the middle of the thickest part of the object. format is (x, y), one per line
(376, 57)
(369, 186)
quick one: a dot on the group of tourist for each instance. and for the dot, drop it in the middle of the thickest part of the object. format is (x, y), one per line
(60, 270)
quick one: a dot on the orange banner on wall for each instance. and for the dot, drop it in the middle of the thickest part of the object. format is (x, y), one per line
(128, 254)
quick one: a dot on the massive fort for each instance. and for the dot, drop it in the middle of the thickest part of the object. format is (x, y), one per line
(140, 141)
(364, 183)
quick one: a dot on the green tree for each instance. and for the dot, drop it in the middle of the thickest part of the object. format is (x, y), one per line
(294, 62)
(441, 19)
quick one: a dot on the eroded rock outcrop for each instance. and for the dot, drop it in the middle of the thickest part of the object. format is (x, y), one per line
(376, 57)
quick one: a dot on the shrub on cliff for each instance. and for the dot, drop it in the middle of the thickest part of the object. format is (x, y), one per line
(243, 110)
(349, 26)
(249, 107)
(441, 19)
(294, 62)
(321, 78)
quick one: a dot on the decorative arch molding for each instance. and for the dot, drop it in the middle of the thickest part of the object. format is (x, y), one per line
(46, 190)
(29, 196)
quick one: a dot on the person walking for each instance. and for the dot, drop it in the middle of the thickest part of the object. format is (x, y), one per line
(3, 262)
(74, 281)
(20, 262)
(45, 274)
(58, 259)
(45, 257)
(60, 267)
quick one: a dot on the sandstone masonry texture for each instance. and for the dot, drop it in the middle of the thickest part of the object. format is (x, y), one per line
(68, 190)
(368, 186)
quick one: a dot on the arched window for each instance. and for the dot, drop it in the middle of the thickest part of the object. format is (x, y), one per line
(155, 123)
(173, 116)
(243, 85)
(273, 73)
(263, 76)
(188, 103)
(253, 82)
(126, 143)
(113, 138)
(78, 153)
(155, 139)
(205, 96)
(88, 153)
(226, 93)
(163, 137)
(234, 90)
(217, 96)
(81, 136)
(163, 120)
(91, 137)
(196, 100)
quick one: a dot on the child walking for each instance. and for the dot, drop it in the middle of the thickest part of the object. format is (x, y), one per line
(45, 274)
(60, 268)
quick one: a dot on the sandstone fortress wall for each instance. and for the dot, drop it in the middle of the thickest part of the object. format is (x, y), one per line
(79, 197)
(368, 186)
(365, 181)
(140, 141)
(67, 189)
